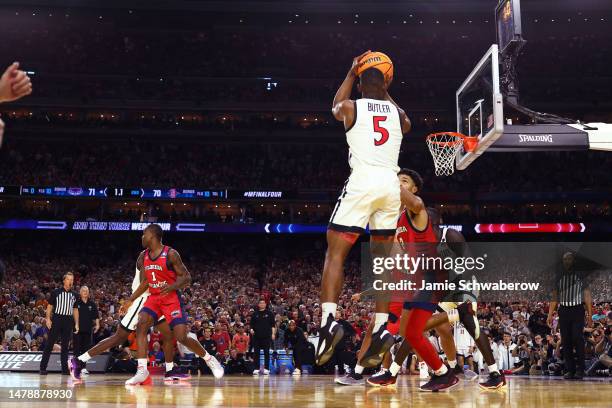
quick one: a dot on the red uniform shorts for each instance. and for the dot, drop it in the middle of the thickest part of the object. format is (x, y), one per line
(169, 306)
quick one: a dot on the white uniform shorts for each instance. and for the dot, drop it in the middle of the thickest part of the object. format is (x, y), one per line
(130, 319)
(371, 195)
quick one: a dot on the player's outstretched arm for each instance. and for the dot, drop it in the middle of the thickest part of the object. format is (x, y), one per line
(183, 277)
(411, 201)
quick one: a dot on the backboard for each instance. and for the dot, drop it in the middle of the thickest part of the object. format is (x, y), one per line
(480, 110)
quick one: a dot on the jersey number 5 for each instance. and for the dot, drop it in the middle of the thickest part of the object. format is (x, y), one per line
(384, 133)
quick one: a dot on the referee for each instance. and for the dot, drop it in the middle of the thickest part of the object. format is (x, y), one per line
(573, 295)
(65, 317)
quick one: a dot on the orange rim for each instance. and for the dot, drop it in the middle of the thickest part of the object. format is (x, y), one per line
(469, 142)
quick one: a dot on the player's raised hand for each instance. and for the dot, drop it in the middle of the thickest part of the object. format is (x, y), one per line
(124, 307)
(355, 64)
(14, 84)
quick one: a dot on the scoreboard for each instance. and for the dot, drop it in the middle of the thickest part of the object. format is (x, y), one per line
(115, 192)
(148, 193)
(508, 22)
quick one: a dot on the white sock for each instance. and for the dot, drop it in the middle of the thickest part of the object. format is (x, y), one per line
(395, 368)
(206, 356)
(453, 316)
(142, 363)
(379, 320)
(493, 368)
(442, 370)
(358, 369)
(169, 366)
(327, 308)
(85, 357)
(452, 363)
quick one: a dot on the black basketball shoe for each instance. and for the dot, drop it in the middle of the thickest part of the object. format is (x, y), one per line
(440, 382)
(495, 381)
(383, 378)
(351, 378)
(381, 343)
(458, 370)
(329, 336)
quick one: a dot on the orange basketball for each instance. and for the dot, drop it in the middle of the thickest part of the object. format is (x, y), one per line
(377, 60)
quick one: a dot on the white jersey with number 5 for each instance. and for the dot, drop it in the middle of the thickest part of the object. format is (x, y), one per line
(371, 195)
(376, 135)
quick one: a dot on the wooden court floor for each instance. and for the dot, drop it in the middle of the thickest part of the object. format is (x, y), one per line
(307, 391)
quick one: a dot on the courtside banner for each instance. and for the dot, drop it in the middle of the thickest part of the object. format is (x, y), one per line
(30, 361)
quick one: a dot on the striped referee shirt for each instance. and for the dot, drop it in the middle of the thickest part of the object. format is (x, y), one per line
(63, 302)
(570, 287)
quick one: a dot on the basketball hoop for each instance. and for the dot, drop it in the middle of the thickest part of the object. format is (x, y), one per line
(444, 147)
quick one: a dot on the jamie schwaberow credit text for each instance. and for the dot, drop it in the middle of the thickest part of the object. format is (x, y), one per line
(418, 272)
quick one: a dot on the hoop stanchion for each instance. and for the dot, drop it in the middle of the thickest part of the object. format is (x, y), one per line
(444, 147)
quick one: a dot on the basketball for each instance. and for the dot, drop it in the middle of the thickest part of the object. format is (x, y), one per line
(377, 60)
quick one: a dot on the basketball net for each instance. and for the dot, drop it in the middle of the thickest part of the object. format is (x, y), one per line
(444, 148)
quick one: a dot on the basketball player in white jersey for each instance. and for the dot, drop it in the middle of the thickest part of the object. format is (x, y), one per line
(374, 126)
(126, 326)
(464, 343)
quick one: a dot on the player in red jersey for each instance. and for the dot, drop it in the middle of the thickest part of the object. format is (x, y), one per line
(164, 275)
(125, 328)
(451, 244)
(416, 235)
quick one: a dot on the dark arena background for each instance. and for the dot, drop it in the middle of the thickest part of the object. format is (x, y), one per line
(213, 120)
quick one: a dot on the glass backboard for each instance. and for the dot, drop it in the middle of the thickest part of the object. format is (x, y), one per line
(480, 106)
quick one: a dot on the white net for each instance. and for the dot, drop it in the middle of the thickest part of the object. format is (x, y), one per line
(444, 147)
